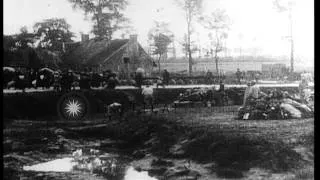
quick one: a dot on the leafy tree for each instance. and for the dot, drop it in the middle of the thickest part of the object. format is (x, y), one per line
(218, 24)
(9, 43)
(192, 9)
(52, 33)
(161, 38)
(24, 39)
(106, 15)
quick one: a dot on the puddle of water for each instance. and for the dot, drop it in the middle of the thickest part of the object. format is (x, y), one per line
(58, 165)
(132, 174)
(69, 164)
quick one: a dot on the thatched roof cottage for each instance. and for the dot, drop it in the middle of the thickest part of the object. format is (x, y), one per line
(123, 56)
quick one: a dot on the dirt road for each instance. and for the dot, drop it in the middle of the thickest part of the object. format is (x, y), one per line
(194, 143)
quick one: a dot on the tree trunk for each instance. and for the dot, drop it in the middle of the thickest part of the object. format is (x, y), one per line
(189, 51)
(159, 64)
(189, 41)
(291, 41)
(216, 61)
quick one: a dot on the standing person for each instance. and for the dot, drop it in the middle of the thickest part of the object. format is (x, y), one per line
(56, 81)
(84, 82)
(33, 78)
(66, 81)
(63, 81)
(112, 81)
(222, 93)
(70, 79)
(28, 77)
(105, 77)
(243, 75)
(252, 91)
(221, 88)
(147, 93)
(138, 79)
(303, 86)
(166, 77)
(209, 77)
(20, 81)
(238, 74)
(257, 76)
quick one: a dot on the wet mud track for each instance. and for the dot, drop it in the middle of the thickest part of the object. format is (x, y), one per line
(163, 146)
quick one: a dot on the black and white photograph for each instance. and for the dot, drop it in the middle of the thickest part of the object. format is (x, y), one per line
(158, 89)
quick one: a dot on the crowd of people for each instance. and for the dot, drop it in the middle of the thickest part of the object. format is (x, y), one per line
(64, 80)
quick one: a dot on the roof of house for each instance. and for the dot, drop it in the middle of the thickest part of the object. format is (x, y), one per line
(94, 51)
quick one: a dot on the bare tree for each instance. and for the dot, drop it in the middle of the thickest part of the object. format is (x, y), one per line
(286, 6)
(218, 24)
(161, 37)
(192, 9)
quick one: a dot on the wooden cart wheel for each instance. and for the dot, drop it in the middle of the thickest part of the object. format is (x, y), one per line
(73, 106)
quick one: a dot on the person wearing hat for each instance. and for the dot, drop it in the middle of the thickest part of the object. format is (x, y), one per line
(112, 81)
(222, 94)
(147, 93)
(56, 81)
(138, 79)
(66, 81)
(166, 77)
(238, 74)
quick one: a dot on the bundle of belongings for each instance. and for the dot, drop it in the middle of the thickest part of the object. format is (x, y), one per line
(113, 109)
(208, 96)
(196, 94)
(274, 105)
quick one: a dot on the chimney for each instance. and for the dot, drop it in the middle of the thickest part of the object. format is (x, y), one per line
(133, 45)
(133, 38)
(84, 37)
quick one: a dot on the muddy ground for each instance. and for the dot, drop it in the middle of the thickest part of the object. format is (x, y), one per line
(198, 143)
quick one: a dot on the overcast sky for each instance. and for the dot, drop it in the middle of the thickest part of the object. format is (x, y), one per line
(255, 23)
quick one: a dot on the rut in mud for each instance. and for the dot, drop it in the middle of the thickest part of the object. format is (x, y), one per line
(231, 150)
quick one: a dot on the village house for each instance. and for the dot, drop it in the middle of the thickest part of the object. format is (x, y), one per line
(122, 56)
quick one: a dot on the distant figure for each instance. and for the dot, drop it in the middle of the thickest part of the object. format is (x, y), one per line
(70, 79)
(66, 81)
(221, 88)
(95, 80)
(238, 74)
(20, 81)
(303, 86)
(243, 75)
(112, 81)
(105, 76)
(147, 93)
(222, 94)
(29, 78)
(166, 77)
(56, 81)
(159, 82)
(84, 82)
(209, 77)
(138, 79)
(257, 77)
